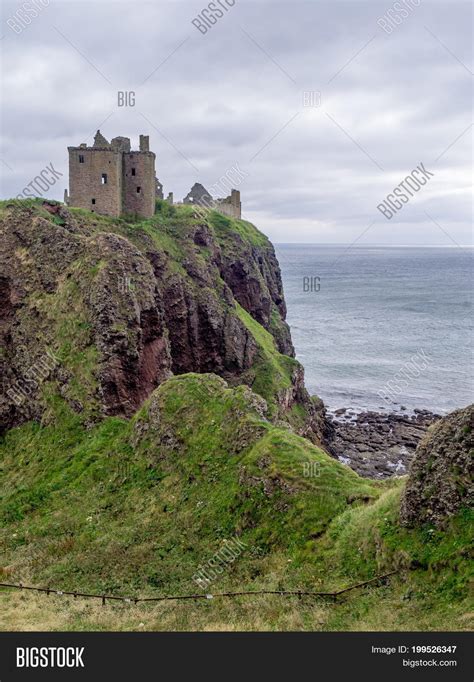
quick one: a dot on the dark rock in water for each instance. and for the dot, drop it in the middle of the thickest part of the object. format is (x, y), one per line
(378, 445)
(441, 478)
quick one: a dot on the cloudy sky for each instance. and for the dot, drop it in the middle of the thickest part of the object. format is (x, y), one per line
(234, 96)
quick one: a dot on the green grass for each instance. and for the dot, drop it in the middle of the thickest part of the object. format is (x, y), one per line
(270, 375)
(67, 323)
(135, 507)
(433, 588)
(7, 205)
(201, 466)
(225, 225)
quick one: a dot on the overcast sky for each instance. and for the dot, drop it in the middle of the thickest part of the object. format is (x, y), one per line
(234, 96)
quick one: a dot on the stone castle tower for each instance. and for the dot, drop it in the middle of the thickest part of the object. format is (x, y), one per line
(110, 179)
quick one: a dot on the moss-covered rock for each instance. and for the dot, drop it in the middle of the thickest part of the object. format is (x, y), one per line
(441, 480)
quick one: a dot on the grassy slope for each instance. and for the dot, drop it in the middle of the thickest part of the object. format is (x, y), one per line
(135, 507)
(178, 486)
(271, 372)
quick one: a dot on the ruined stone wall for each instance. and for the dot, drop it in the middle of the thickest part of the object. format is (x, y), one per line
(227, 209)
(110, 179)
(199, 196)
(139, 172)
(158, 189)
(85, 180)
(231, 205)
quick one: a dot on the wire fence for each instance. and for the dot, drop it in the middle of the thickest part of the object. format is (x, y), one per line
(136, 600)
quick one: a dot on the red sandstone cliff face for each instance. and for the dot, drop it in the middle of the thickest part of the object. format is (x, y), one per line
(123, 308)
(243, 272)
(128, 324)
(67, 292)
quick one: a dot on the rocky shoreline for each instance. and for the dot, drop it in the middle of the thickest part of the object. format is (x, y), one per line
(377, 445)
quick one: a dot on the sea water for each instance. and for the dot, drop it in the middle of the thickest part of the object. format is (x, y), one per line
(359, 315)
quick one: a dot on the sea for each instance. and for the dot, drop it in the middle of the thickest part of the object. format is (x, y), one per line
(382, 328)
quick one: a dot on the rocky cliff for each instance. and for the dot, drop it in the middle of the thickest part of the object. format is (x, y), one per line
(121, 306)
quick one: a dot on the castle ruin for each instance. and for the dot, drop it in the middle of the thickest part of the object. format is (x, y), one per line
(111, 179)
(199, 196)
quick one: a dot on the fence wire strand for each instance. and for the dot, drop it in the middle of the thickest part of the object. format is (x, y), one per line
(248, 593)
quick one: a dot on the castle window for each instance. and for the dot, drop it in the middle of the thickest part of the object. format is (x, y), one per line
(139, 189)
(104, 178)
(133, 171)
(81, 158)
(93, 201)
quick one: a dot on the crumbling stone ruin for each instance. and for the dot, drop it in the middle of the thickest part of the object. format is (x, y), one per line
(231, 205)
(158, 189)
(111, 179)
(198, 194)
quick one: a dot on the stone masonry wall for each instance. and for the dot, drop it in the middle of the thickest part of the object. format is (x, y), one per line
(85, 180)
(142, 202)
(228, 209)
(110, 179)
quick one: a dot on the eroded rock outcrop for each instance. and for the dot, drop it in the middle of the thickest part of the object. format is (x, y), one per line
(441, 475)
(69, 293)
(124, 306)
